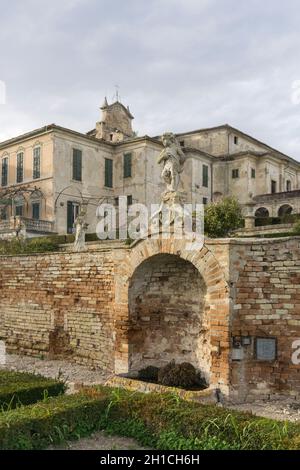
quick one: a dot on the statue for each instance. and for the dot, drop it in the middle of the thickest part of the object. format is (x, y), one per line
(172, 199)
(173, 159)
(80, 230)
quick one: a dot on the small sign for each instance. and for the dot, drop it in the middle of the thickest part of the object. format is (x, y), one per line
(266, 349)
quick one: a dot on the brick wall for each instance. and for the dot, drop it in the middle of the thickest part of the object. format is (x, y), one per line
(77, 305)
(54, 304)
(266, 297)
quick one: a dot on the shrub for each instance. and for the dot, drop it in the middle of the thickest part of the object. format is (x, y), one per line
(18, 388)
(180, 375)
(221, 217)
(18, 246)
(160, 421)
(149, 373)
(296, 228)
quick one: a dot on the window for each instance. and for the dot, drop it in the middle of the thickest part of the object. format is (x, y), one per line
(253, 173)
(77, 165)
(36, 163)
(182, 143)
(108, 177)
(4, 178)
(288, 185)
(205, 201)
(235, 139)
(273, 187)
(235, 173)
(129, 200)
(72, 213)
(111, 137)
(36, 210)
(3, 213)
(205, 176)
(20, 167)
(19, 211)
(127, 165)
(116, 202)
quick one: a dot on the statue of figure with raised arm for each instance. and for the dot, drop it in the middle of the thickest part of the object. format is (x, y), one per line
(173, 159)
(80, 230)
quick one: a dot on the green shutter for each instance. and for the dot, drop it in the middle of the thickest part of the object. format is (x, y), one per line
(69, 217)
(77, 165)
(205, 176)
(108, 173)
(127, 165)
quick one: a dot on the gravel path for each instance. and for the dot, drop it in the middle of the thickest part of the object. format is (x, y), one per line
(99, 441)
(279, 410)
(73, 373)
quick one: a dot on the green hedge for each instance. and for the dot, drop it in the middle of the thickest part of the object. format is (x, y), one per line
(18, 388)
(155, 420)
(18, 246)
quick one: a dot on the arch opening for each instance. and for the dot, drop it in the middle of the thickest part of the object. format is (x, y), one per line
(262, 213)
(168, 315)
(285, 210)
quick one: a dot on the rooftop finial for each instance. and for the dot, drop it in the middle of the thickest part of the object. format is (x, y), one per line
(105, 103)
(117, 95)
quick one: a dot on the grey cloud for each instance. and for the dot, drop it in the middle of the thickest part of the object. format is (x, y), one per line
(181, 64)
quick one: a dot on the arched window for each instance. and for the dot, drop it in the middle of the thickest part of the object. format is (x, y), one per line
(19, 206)
(289, 185)
(285, 210)
(262, 213)
(36, 204)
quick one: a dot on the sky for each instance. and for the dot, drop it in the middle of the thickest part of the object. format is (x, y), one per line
(180, 65)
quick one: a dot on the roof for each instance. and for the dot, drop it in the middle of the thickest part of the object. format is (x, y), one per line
(47, 129)
(89, 136)
(243, 134)
(53, 127)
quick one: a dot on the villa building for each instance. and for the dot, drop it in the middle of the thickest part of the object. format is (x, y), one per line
(49, 173)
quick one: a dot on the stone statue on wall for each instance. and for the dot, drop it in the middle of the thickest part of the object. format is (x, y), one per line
(173, 160)
(80, 231)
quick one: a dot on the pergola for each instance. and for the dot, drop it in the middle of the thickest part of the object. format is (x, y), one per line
(8, 196)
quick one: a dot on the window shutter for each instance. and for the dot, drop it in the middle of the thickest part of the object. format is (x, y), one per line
(77, 165)
(4, 179)
(70, 217)
(205, 176)
(20, 167)
(108, 173)
(36, 163)
(127, 165)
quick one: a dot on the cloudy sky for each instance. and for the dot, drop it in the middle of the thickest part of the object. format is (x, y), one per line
(180, 64)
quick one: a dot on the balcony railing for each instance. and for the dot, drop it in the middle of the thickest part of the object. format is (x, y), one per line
(31, 225)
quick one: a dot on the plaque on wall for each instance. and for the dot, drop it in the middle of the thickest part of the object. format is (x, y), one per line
(266, 349)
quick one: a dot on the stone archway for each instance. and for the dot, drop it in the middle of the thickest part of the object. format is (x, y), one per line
(217, 300)
(168, 315)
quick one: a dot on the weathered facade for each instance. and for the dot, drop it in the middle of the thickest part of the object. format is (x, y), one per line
(47, 174)
(232, 309)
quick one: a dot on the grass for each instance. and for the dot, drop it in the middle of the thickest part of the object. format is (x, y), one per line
(18, 388)
(157, 421)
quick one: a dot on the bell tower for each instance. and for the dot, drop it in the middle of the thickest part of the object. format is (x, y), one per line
(116, 122)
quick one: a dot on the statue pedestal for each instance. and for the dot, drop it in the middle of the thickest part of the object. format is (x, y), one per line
(171, 209)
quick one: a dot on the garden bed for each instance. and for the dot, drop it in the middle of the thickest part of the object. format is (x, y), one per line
(159, 421)
(18, 388)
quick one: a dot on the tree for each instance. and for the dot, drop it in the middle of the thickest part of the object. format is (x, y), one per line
(221, 217)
